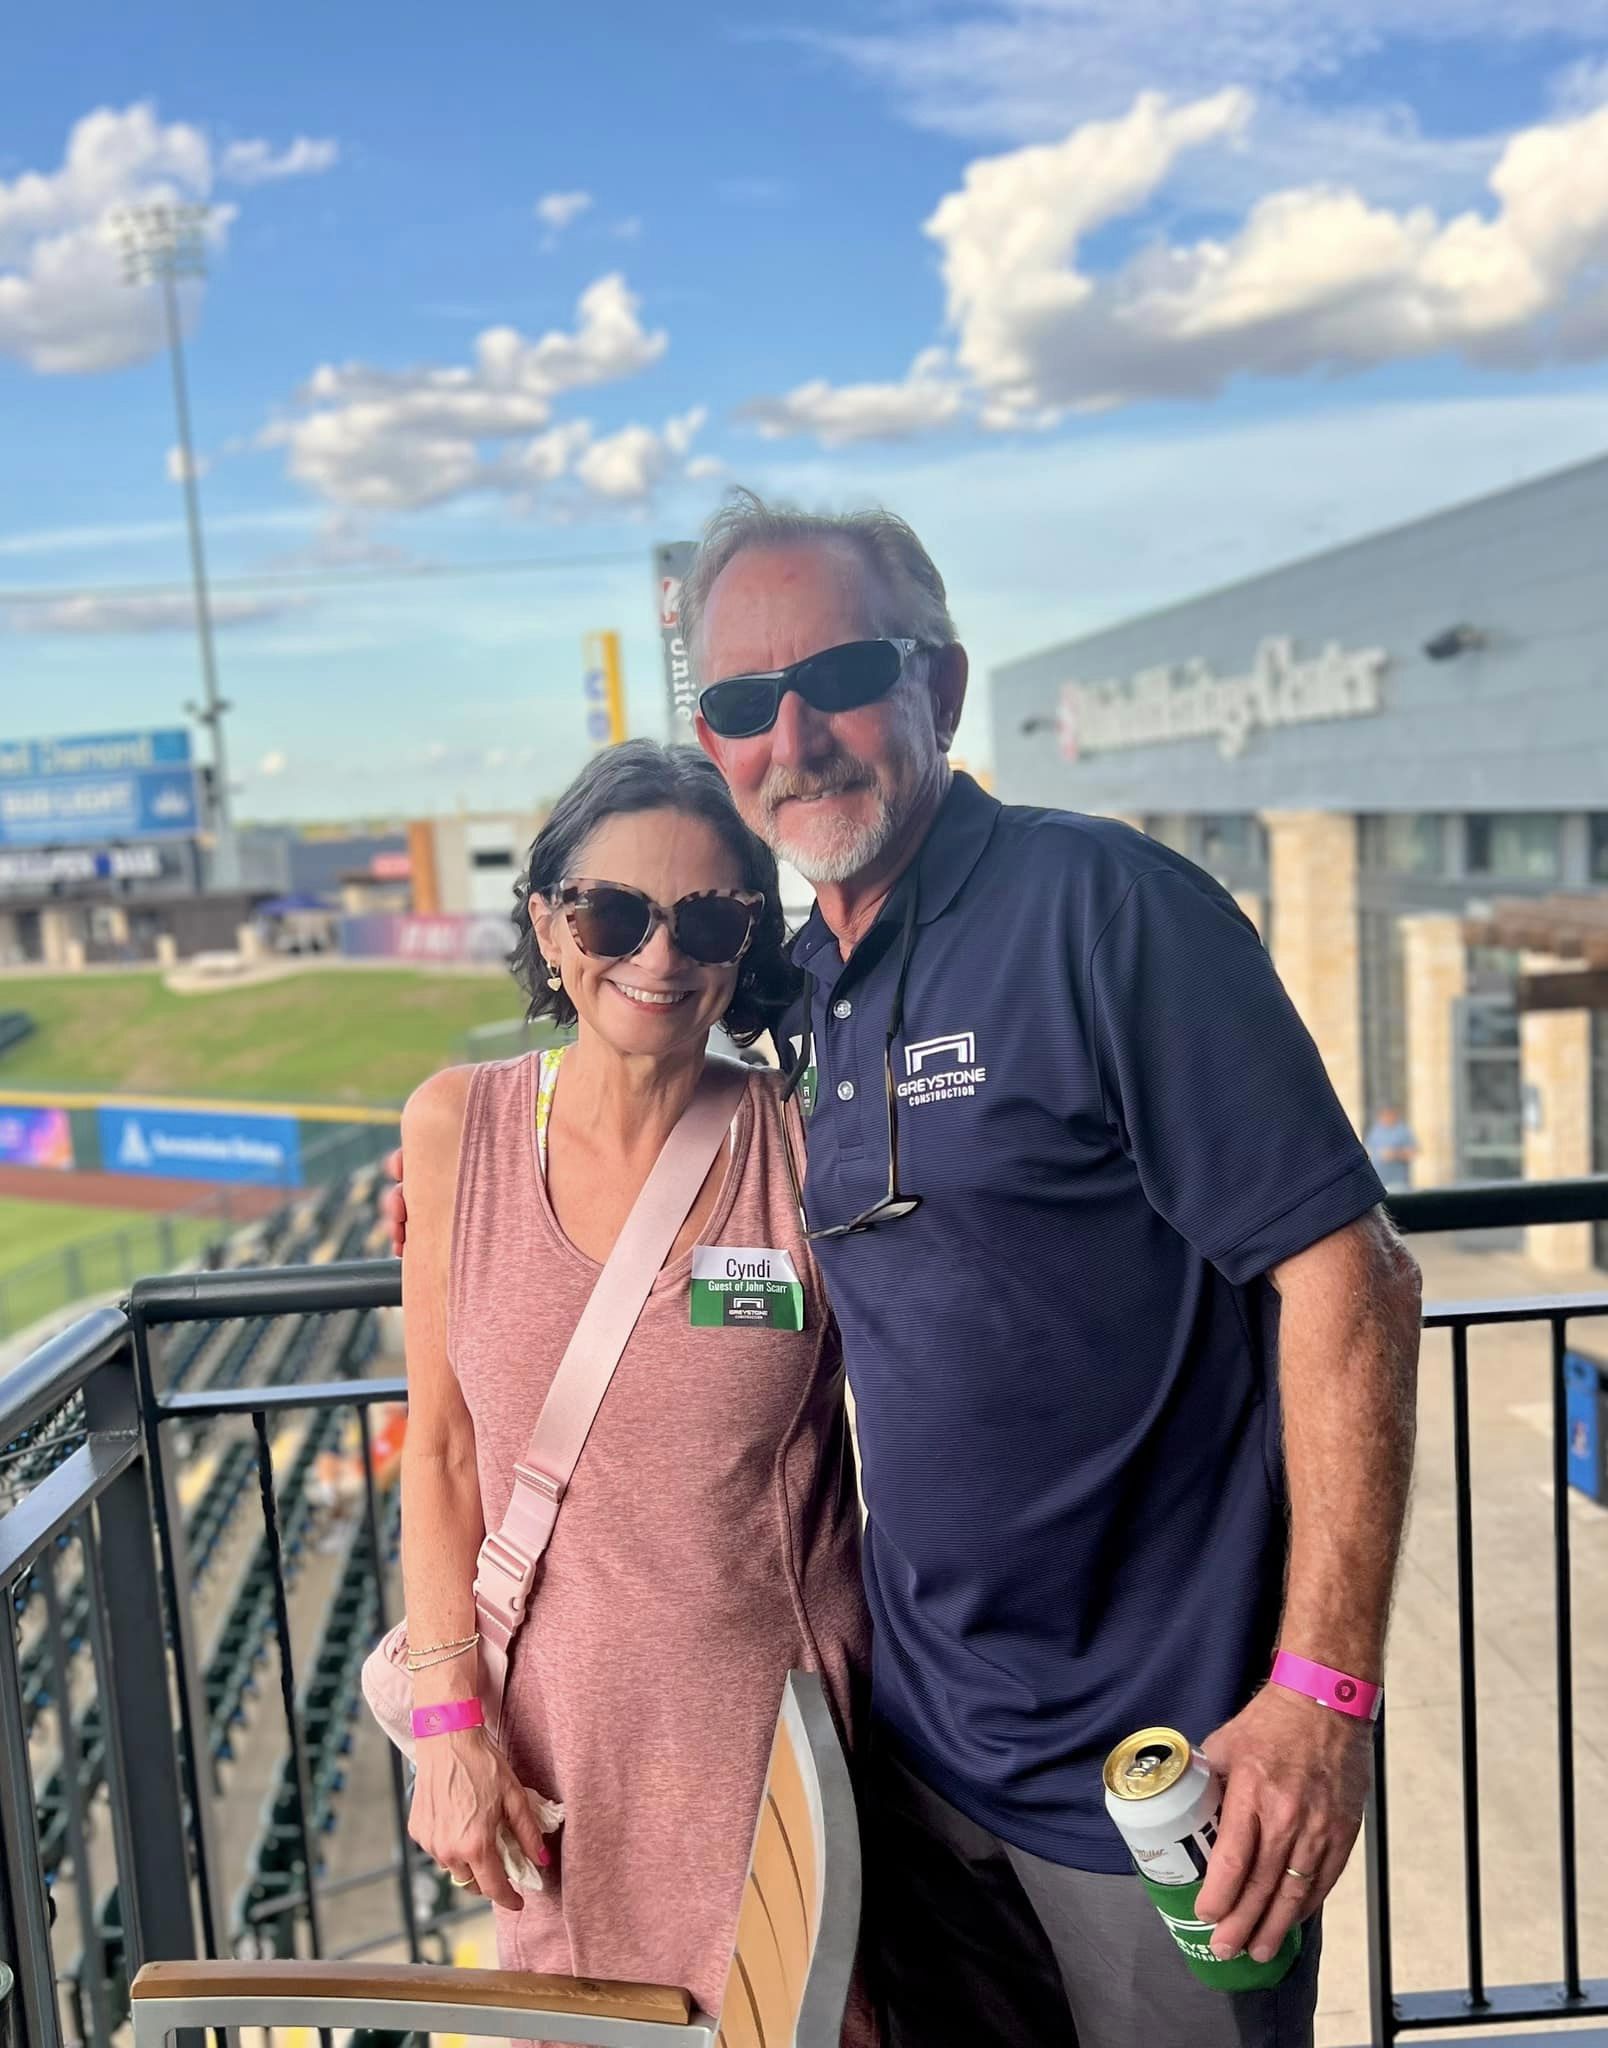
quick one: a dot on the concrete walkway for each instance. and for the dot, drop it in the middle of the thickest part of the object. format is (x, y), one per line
(1511, 1452)
(1510, 1437)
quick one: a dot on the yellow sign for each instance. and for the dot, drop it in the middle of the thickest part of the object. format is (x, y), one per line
(605, 690)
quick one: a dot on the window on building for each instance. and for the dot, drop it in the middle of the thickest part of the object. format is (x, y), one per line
(1403, 843)
(1516, 846)
(1599, 846)
(491, 857)
(1233, 844)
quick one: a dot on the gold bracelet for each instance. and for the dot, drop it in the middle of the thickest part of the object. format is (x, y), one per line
(429, 1649)
(440, 1653)
(429, 1663)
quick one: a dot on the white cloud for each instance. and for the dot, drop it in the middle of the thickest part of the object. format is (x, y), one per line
(704, 467)
(160, 613)
(625, 467)
(394, 440)
(199, 464)
(1581, 87)
(273, 764)
(254, 163)
(64, 306)
(1027, 70)
(928, 397)
(560, 210)
(999, 72)
(629, 229)
(1314, 278)
(1310, 278)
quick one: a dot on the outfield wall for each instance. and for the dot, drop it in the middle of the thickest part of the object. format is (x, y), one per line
(230, 1143)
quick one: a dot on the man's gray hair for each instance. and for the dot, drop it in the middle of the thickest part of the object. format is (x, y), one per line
(907, 591)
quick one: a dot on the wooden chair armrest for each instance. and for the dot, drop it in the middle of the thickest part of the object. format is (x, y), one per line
(424, 1983)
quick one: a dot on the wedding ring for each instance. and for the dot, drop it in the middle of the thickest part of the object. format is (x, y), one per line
(1300, 1876)
(463, 1883)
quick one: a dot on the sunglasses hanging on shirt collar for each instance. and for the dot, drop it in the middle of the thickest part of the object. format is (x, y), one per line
(895, 1204)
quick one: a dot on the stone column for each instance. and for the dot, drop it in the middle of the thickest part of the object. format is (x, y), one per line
(57, 935)
(1435, 971)
(1251, 904)
(1312, 872)
(1555, 1067)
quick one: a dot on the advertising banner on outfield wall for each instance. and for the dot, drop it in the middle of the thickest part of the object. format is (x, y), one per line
(448, 940)
(202, 1144)
(35, 1137)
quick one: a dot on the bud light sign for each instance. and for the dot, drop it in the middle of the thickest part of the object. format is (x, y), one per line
(196, 1144)
(129, 785)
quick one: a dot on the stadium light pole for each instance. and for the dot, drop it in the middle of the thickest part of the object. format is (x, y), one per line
(162, 243)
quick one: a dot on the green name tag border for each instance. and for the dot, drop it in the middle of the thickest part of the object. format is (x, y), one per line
(712, 1301)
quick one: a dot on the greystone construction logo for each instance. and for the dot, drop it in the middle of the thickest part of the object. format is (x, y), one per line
(942, 1069)
(1190, 701)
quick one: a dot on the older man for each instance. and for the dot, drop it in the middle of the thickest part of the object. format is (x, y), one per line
(1132, 1344)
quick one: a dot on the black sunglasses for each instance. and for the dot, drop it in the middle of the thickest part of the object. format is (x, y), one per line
(895, 1204)
(611, 921)
(837, 679)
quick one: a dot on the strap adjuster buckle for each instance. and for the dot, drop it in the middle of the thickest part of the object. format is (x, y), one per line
(543, 1482)
(514, 1566)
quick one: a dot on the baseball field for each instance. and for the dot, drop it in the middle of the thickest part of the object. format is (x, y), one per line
(109, 1246)
(323, 1035)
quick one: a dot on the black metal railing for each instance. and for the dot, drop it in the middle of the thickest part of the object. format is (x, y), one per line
(1477, 2002)
(95, 1430)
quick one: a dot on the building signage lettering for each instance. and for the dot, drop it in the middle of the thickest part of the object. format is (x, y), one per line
(671, 561)
(115, 753)
(81, 864)
(1190, 700)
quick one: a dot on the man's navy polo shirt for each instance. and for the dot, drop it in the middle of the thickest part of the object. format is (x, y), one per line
(1064, 1361)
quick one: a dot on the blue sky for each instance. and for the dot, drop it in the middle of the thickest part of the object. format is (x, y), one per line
(1113, 303)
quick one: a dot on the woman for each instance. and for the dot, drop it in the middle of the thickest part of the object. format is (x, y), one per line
(708, 1540)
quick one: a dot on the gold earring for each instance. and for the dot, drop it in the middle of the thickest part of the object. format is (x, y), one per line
(555, 980)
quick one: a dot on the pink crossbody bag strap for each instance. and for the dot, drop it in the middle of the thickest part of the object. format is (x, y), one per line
(506, 1568)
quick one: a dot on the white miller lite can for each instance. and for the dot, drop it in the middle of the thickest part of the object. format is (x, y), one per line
(1164, 1799)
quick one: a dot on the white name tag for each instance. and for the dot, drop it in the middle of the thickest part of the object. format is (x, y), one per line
(745, 1286)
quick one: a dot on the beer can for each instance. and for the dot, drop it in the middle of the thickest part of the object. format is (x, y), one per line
(1164, 1799)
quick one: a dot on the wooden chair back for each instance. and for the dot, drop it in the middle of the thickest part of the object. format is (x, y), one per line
(800, 1915)
(787, 1987)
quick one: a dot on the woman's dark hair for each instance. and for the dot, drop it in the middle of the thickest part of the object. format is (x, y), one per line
(640, 775)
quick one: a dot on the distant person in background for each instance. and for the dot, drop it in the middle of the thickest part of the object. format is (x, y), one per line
(1392, 1148)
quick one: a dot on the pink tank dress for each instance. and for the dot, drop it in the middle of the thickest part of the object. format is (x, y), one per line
(708, 1544)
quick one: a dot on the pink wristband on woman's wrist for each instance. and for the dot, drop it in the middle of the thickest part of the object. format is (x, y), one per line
(1330, 1688)
(447, 1718)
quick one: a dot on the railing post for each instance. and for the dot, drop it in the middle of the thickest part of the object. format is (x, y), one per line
(1376, 1851)
(142, 1766)
(175, 1568)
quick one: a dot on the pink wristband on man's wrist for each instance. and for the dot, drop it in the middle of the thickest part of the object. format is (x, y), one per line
(447, 1718)
(1330, 1688)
